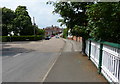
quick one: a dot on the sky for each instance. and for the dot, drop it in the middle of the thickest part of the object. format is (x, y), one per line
(36, 8)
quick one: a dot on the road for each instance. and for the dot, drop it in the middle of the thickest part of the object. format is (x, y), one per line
(54, 60)
(29, 61)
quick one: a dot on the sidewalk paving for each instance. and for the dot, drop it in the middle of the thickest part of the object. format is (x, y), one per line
(74, 67)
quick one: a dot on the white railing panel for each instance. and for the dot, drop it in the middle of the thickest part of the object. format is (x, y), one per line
(110, 60)
(87, 48)
(95, 52)
(111, 63)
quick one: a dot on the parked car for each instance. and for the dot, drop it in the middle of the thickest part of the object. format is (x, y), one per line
(47, 38)
(57, 37)
(52, 35)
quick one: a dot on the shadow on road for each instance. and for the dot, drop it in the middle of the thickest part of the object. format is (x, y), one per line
(7, 50)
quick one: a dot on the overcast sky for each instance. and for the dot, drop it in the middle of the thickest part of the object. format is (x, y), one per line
(36, 8)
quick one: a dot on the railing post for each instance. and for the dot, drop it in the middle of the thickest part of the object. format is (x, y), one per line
(89, 48)
(100, 58)
(119, 80)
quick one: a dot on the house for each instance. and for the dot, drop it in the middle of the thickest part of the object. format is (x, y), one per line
(53, 30)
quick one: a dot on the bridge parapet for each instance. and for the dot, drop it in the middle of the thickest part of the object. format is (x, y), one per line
(106, 57)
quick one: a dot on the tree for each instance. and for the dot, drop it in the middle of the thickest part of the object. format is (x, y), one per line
(41, 32)
(104, 21)
(73, 14)
(96, 20)
(0, 22)
(19, 22)
(7, 21)
(23, 24)
(38, 31)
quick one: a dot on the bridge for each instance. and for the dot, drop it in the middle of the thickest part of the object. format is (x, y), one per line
(106, 57)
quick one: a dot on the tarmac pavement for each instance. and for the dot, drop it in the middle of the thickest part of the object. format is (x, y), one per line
(72, 66)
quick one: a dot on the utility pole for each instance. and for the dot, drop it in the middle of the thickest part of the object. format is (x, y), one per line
(34, 25)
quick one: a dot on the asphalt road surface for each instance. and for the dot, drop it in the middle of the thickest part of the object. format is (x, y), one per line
(29, 61)
(54, 60)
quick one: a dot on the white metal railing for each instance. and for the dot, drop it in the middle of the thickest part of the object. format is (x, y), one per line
(87, 47)
(111, 63)
(95, 52)
(110, 60)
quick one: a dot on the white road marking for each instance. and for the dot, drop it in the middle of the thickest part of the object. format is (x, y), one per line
(53, 64)
(17, 55)
(50, 69)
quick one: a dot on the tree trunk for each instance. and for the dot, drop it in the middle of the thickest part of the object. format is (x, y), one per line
(79, 39)
(83, 46)
(76, 38)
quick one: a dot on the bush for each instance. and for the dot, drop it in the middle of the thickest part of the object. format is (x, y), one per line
(4, 38)
(21, 38)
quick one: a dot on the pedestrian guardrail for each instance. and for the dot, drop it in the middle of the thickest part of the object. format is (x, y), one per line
(106, 57)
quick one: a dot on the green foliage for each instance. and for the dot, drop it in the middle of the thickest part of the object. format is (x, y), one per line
(19, 22)
(80, 31)
(21, 38)
(38, 31)
(4, 38)
(100, 21)
(61, 21)
(7, 20)
(41, 32)
(73, 14)
(104, 21)
(65, 33)
(22, 21)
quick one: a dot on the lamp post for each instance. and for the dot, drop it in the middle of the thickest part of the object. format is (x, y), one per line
(34, 26)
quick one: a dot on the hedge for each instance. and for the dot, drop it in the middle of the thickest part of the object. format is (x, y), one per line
(21, 38)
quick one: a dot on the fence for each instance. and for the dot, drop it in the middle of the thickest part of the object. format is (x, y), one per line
(106, 57)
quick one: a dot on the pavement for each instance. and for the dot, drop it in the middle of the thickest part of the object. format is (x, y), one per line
(72, 66)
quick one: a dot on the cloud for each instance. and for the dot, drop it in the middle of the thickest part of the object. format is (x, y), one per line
(36, 8)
